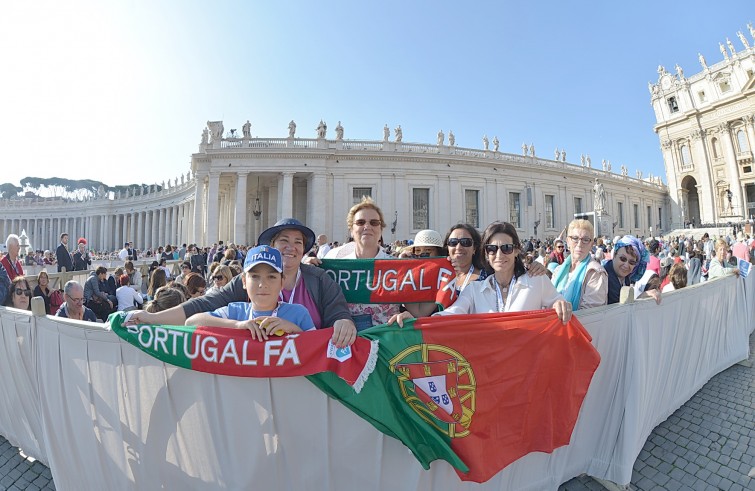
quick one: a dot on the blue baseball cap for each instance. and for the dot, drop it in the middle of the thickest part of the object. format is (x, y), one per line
(263, 255)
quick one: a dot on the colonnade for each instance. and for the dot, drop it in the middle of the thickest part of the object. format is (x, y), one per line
(108, 232)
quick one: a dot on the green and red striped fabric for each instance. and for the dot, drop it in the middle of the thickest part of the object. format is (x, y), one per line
(227, 351)
(394, 280)
(479, 391)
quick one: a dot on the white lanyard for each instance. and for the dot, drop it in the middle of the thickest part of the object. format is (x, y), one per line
(466, 280)
(293, 292)
(500, 304)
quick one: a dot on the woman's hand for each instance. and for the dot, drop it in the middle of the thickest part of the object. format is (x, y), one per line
(311, 260)
(563, 310)
(400, 318)
(344, 333)
(537, 269)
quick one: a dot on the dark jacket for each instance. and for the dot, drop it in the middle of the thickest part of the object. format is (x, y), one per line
(327, 295)
(81, 262)
(64, 258)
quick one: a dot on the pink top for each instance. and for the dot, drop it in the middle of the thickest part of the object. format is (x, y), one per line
(303, 298)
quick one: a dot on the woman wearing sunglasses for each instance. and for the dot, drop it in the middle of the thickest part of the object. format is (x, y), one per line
(19, 296)
(509, 288)
(630, 259)
(221, 276)
(464, 243)
(580, 278)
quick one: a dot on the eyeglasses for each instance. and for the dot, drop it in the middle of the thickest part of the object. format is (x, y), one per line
(492, 249)
(75, 300)
(465, 242)
(218, 277)
(624, 259)
(584, 240)
(373, 223)
(559, 247)
(21, 291)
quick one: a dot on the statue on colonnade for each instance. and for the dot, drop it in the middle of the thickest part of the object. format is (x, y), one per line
(722, 48)
(441, 138)
(246, 130)
(743, 39)
(451, 138)
(731, 47)
(496, 143)
(702, 61)
(322, 129)
(485, 142)
(205, 135)
(599, 205)
(589, 161)
(532, 149)
(216, 130)
(386, 133)
(399, 133)
(339, 131)
(291, 129)
(524, 149)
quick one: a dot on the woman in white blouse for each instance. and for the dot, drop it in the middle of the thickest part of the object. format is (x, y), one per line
(510, 288)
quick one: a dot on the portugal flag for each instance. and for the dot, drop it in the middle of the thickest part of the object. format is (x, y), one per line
(479, 391)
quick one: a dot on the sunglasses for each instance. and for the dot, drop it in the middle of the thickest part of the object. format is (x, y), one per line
(218, 277)
(373, 223)
(624, 259)
(559, 247)
(465, 242)
(584, 240)
(21, 291)
(492, 249)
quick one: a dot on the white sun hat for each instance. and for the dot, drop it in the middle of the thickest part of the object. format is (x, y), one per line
(428, 238)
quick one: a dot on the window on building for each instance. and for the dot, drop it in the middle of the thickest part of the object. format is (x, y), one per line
(725, 86)
(686, 159)
(749, 74)
(672, 105)
(621, 214)
(660, 218)
(742, 141)
(747, 169)
(472, 207)
(550, 213)
(358, 193)
(650, 217)
(515, 216)
(421, 208)
(701, 96)
(577, 205)
(716, 147)
(636, 216)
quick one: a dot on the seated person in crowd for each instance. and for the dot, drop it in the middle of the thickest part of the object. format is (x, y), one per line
(165, 298)
(127, 297)
(42, 290)
(678, 278)
(19, 296)
(74, 307)
(95, 293)
(630, 259)
(195, 284)
(427, 243)
(265, 314)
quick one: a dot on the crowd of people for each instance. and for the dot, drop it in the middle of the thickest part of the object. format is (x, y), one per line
(278, 286)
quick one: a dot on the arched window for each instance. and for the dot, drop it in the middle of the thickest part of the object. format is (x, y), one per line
(742, 141)
(686, 159)
(716, 147)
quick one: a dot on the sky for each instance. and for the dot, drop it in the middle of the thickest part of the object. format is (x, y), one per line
(119, 91)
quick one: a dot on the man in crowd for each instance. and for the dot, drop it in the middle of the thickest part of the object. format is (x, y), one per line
(322, 246)
(73, 307)
(132, 251)
(10, 262)
(62, 254)
(123, 254)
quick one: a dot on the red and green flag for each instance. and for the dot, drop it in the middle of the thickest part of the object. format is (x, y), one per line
(479, 391)
(226, 351)
(394, 280)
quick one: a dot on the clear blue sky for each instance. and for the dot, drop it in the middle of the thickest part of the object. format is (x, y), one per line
(120, 91)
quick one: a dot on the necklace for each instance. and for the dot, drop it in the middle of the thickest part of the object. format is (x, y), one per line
(502, 293)
(293, 291)
(253, 315)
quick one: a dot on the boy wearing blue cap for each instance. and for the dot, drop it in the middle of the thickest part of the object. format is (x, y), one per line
(265, 314)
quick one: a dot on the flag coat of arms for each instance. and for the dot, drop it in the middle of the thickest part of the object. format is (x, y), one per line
(479, 391)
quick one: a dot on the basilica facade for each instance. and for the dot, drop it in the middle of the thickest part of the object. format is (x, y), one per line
(705, 126)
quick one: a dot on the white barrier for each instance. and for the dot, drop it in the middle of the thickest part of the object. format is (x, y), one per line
(103, 415)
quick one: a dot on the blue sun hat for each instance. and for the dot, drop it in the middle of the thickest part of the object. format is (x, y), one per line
(288, 223)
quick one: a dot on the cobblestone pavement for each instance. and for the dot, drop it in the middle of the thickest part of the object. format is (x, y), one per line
(707, 444)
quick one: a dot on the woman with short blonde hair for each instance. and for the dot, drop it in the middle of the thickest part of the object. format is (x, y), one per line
(581, 279)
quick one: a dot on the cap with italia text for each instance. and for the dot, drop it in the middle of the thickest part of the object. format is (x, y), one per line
(264, 255)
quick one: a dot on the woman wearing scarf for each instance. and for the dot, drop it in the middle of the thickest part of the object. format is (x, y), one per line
(630, 259)
(581, 279)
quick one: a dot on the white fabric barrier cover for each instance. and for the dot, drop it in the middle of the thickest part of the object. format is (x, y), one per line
(104, 415)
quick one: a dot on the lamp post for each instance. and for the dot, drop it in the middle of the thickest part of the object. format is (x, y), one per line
(257, 210)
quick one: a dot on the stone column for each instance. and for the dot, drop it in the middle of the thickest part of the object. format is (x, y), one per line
(174, 221)
(198, 237)
(239, 231)
(317, 202)
(732, 170)
(124, 225)
(285, 193)
(675, 220)
(700, 156)
(750, 125)
(212, 217)
(154, 222)
(160, 228)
